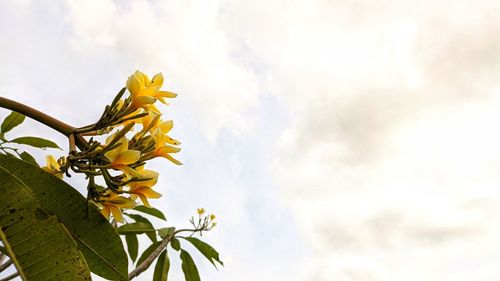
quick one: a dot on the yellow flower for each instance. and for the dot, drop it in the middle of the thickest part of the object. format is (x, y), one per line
(145, 92)
(212, 217)
(200, 211)
(114, 203)
(163, 150)
(153, 121)
(142, 189)
(120, 157)
(53, 167)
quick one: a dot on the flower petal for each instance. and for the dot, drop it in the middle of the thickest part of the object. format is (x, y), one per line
(157, 80)
(166, 126)
(134, 86)
(172, 159)
(126, 157)
(117, 214)
(166, 94)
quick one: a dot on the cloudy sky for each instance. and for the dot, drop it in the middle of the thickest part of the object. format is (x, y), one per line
(335, 140)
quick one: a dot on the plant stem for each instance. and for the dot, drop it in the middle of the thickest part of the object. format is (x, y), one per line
(147, 262)
(50, 121)
(41, 117)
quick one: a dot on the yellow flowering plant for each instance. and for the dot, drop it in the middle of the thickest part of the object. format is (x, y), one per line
(119, 189)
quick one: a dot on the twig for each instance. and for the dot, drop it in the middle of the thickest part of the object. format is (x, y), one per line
(147, 262)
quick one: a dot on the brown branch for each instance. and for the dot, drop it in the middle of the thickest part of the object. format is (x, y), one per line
(150, 259)
(147, 262)
(41, 117)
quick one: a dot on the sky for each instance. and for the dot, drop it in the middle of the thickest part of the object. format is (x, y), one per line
(334, 140)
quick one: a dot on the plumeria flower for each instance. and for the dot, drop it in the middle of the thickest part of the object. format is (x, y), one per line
(200, 211)
(53, 166)
(154, 122)
(163, 150)
(120, 157)
(142, 189)
(145, 92)
(113, 205)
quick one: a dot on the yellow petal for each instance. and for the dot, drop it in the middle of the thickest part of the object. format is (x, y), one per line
(117, 214)
(157, 80)
(166, 126)
(129, 171)
(151, 91)
(142, 101)
(166, 94)
(143, 78)
(170, 140)
(127, 157)
(144, 200)
(134, 86)
(159, 137)
(172, 159)
(167, 149)
(105, 211)
(148, 192)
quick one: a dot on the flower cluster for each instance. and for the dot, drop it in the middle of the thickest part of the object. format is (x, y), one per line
(121, 159)
(205, 222)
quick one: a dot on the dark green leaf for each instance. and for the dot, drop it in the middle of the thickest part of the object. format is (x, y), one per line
(40, 247)
(35, 142)
(162, 267)
(176, 245)
(204, 248)
(151, 211)
(28, 158)
(189, 267)
(139, 218)
(148, 252)
(163, 232)
(134, 228)
(132, 246)
(11, 121)
(97, 239)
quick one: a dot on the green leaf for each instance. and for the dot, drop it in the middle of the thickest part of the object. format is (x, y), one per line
(40, 247)
(97, 239)
(132, 246)
(148, 252)
(28, 158)
(176, 245)
(162, 267)
(204, 248)
(134, 228)
(165, 231)
(139, 218)
(189, 267)
(35, 142)
(12, 121)
(151, 211)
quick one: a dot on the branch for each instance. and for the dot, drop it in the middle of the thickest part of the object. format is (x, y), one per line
(41, 117)
(147, 262)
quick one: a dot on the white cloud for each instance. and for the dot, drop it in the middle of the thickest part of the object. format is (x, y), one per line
(393, 138)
